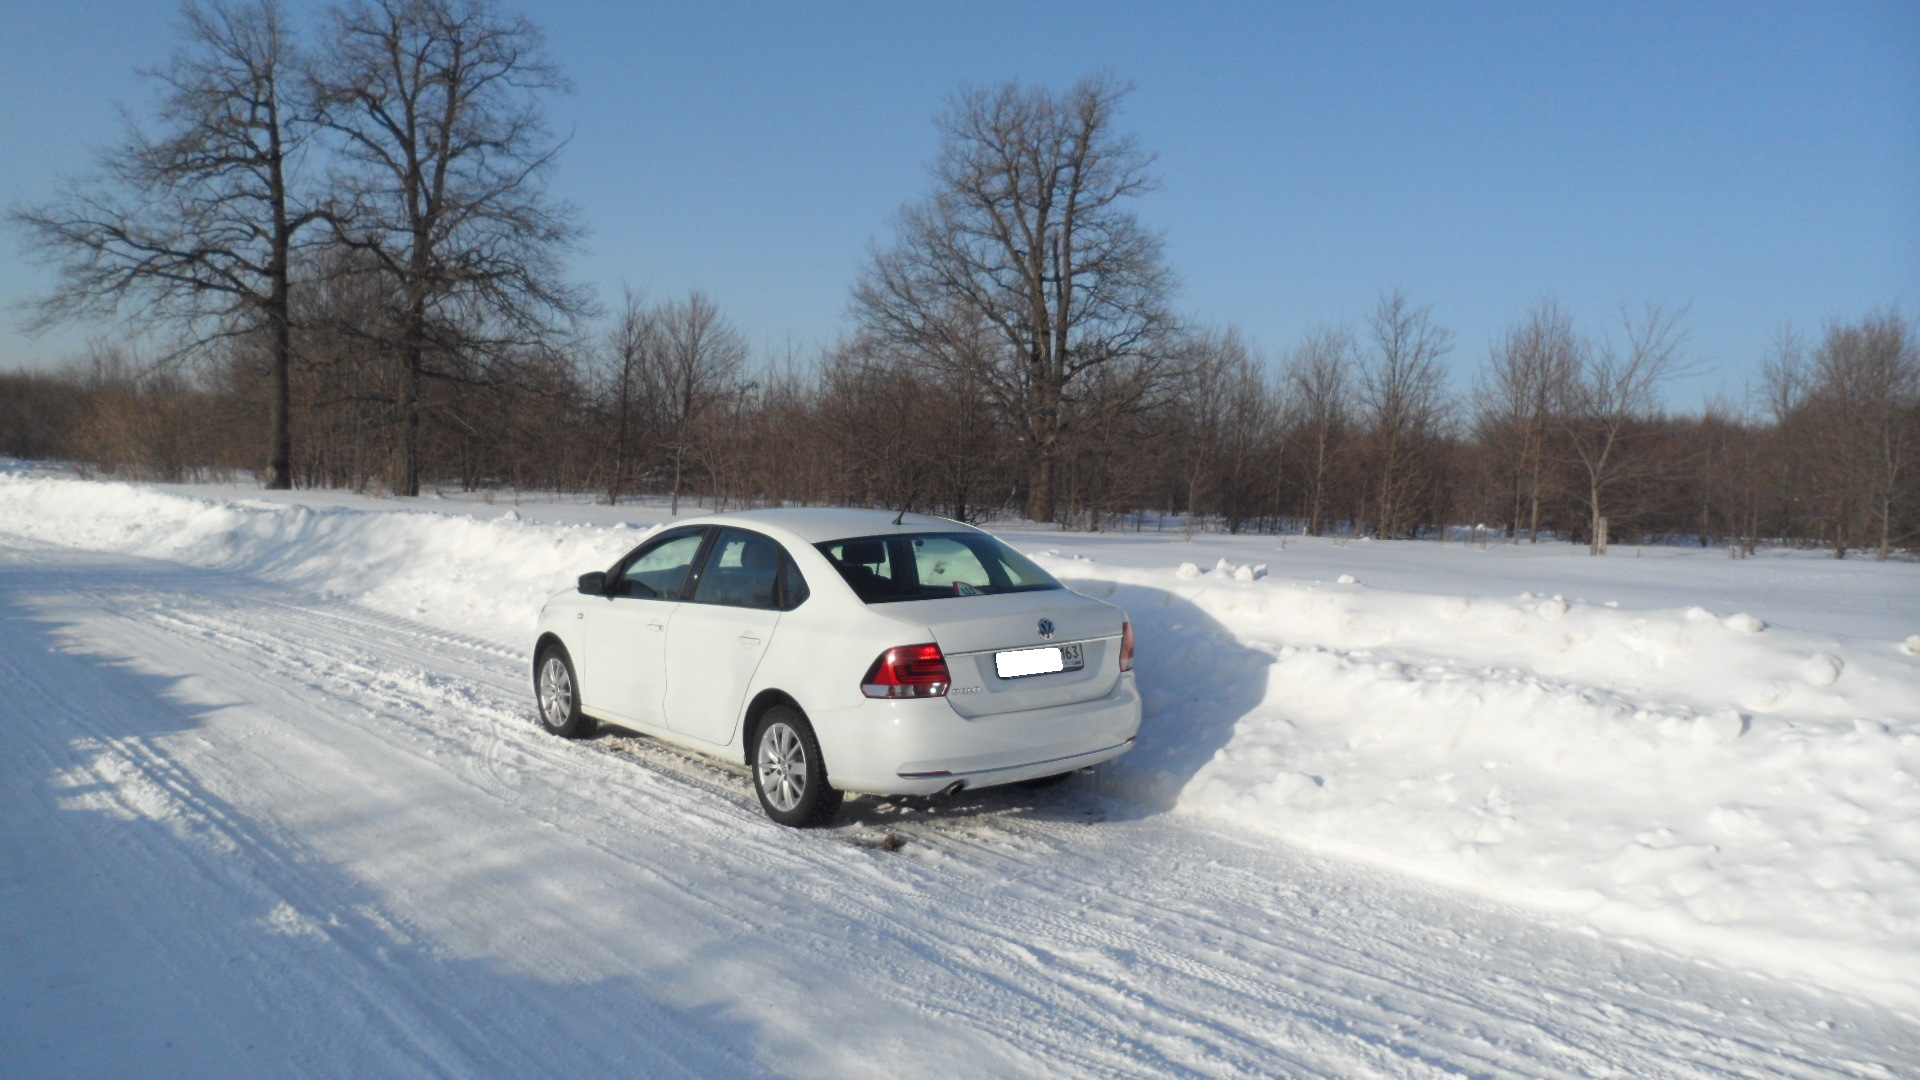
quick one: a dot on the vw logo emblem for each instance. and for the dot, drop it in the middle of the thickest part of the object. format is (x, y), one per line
(1046, 629)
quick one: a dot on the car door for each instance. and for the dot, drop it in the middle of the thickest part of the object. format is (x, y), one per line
(621, 653)
(716, 640)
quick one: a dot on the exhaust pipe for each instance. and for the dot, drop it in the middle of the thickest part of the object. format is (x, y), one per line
(954, 788)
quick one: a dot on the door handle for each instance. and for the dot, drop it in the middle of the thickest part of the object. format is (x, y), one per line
(656, 626)
(749, 640)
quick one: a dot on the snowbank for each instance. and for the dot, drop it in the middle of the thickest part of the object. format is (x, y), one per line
(1687, 776)
(485, 578)
(1719, 782)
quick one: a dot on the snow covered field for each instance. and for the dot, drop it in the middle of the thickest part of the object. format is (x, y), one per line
(280, 805)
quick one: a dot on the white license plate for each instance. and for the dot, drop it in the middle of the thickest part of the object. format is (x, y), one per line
(1013, 665)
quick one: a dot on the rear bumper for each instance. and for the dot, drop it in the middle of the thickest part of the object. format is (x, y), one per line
(919, 747)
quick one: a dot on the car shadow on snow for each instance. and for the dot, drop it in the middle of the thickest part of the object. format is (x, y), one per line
(1196, 681)
(156, 928)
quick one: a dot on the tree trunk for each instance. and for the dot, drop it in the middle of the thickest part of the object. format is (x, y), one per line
(279, 410)
(1040, 487)
(1598, 541)
(406, 464)
(280, 455)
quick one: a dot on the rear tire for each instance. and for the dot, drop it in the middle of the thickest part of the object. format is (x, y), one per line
(557, 693)
(788, 773)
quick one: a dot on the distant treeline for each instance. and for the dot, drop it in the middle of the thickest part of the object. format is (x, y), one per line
(361, 282)
(1333, 438)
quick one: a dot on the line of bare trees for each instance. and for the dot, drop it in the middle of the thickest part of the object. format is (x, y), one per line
(362, 283)
(1348, 433)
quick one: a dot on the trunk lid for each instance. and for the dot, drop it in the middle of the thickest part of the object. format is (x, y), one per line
(971, 630)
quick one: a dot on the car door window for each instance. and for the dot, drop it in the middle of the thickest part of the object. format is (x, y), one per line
(658, 571)
(742, 570)
(793, 586)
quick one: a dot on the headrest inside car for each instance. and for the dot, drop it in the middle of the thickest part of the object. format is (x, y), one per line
(759, 555)
(863, 552)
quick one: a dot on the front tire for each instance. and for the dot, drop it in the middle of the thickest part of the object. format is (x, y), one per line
(557, 692)
(788, 773)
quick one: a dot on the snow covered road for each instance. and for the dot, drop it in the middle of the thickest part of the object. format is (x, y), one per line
(256, 831)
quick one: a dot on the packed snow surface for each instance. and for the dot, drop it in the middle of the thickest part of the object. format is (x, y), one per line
(1715, 758)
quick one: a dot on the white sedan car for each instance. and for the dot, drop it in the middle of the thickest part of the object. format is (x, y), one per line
(842, 650)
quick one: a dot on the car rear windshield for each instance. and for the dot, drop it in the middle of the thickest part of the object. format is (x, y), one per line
(927, 566)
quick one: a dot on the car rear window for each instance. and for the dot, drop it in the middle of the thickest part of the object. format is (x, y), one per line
(929, 566)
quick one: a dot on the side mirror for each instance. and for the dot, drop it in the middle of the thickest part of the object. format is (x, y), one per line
(594, 584)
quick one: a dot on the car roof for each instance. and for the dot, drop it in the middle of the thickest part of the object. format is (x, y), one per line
(818, 524)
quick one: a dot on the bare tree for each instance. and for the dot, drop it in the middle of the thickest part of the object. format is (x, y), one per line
(1526, 379)
(1028, 233)
(629, 344)
(435, 103)
(693, 364)
(1783, 382)
(1251, 444)
(1402, 394)
(1863, 395)
(1210, 368)
(1611, 406)
(1320, 374)
(193, 221)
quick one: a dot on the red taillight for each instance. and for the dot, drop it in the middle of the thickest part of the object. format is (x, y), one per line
(1126, 646)
(907, 671)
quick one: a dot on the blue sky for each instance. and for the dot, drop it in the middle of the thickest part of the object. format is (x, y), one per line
(1759, 163)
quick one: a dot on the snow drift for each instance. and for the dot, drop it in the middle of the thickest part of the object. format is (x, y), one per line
(1694, 777)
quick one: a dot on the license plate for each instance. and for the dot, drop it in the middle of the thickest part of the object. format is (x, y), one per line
(1045, 661)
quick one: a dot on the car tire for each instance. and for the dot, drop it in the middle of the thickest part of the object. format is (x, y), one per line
(1039, 782)
(557, 694)
(788, 773)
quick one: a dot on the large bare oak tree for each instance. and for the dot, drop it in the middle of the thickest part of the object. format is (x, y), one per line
(192, 220)
(436, 106)
(1029, 232)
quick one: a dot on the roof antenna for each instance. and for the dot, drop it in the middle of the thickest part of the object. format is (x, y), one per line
(903, 507)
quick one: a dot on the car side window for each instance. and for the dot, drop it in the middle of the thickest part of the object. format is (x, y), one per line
(658, 571)
(742, 570)
(793, 586)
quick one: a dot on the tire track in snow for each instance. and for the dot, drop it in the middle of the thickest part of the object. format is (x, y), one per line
(379, 998)
(1133, 947)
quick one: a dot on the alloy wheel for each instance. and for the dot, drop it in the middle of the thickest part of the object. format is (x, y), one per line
(782, 766)
(556, 693)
